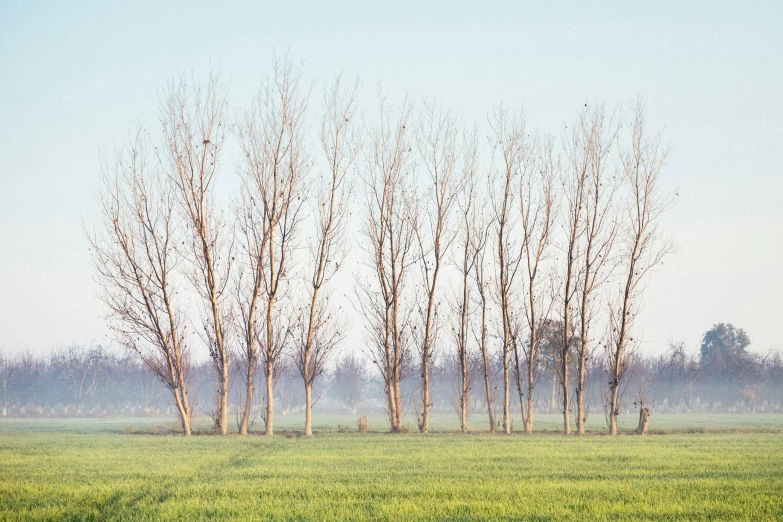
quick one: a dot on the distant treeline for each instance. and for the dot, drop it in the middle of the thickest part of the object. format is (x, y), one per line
(78, 381)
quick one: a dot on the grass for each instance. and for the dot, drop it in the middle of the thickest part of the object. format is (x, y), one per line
(439, 422)
(76, 470)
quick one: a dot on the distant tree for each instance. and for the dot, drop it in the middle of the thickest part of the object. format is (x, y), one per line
(726, 364)
(7, 369)
(680, 372)
(550, 349)
(348, 383)
(723, 346)
(81, 367)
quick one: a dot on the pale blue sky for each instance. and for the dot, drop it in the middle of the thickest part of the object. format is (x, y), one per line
(73, 75)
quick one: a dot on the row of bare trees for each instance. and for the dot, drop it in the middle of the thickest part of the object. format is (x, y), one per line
(165, 238)
(491, 243)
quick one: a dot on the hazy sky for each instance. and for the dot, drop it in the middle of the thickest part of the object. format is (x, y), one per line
(74, 75)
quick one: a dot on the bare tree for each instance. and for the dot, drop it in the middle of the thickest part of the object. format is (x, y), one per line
(435, 231)
(254, 240)
(537, 205)
(276, 167)
(466, 262)
(577, 147)
(195, 129)
(7, 370)
(478, 246)
(135, 262)
(391, 229)
(510, 149)
(340, 147)
(584, 185)
(644, 245)
(594, 138)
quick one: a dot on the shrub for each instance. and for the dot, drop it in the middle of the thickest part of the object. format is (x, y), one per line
(363, 425)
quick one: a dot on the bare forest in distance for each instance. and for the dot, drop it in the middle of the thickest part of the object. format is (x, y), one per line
(94, 382)
(496, 270)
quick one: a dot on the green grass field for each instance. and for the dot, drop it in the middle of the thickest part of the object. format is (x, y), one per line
(91, 470)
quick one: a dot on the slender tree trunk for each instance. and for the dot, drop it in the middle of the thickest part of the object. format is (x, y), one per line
(564, 365)
(308, 409)
(389, 381)
(485, 360)
(250, 391)
(464, 405)
(463, 354)
(425, 392)
(270, 398)
(397, 427)
(506, 402)
(270, 362)
(581, 414)
(518, 378)
(308, 373)
(613, 412)
(425, 366)
(531, 364)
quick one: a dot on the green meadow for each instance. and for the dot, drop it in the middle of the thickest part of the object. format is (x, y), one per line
(700, 467)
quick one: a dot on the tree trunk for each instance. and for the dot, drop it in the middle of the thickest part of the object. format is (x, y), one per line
(506, 402)
(424, 426)
(519, 383)
(224, 396)
(485, 359)
(531, 380)
(644, 417)
(615, 388)
(184, 412)
(398, 402)
(566, 402)
(270, 398)
(308, 409)
(506, 416)
(464, 390)
(464, 411)
(581, 414)
(248, 399)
